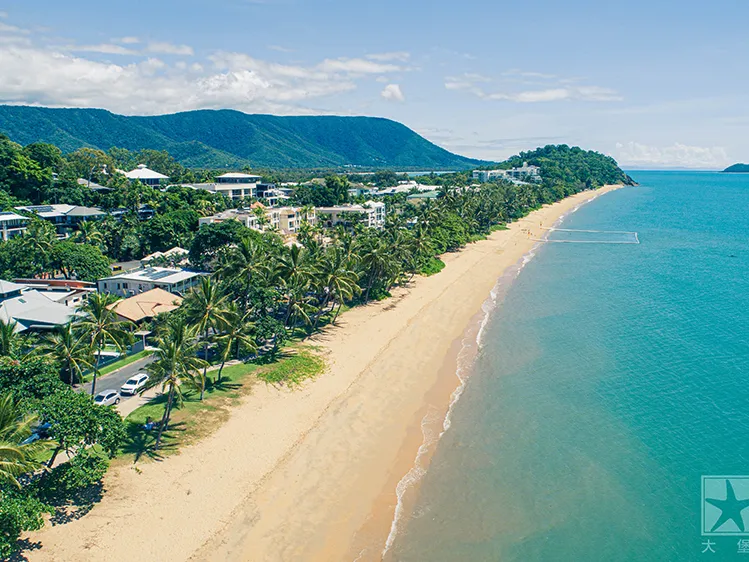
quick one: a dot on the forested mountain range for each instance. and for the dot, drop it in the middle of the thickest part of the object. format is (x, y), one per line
(232, 139)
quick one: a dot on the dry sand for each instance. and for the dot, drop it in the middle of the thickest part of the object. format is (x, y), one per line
(308, 474)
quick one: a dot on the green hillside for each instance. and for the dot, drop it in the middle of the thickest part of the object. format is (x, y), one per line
(231, 139)
(737, 169)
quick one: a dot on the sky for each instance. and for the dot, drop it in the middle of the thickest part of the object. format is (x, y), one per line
(655, 84)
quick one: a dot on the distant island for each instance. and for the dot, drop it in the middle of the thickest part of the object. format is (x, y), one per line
(738, 169)
(232, 139)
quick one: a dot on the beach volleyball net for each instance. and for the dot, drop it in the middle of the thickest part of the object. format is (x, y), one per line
(574, 236)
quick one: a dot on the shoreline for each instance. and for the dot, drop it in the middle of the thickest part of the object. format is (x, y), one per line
(309, 474)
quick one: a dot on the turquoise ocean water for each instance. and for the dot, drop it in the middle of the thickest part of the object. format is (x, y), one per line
(611, 379)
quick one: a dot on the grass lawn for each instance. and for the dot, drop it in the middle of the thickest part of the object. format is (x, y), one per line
(118, 364)
(195, 419)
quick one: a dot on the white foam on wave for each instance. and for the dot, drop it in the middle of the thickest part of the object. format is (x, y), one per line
(466, 359)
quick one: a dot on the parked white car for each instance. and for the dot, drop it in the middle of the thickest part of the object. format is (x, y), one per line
(107, 398)
(134, 384)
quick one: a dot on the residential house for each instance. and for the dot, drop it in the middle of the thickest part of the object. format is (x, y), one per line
(144, 212)
(371, 214)
(64, 217)
(69, 292)
(145, 306)
(176, 281)
(31, 309)
(174, 255)
(12, 224)
(93, 186)
(404, 187)
(146, 176)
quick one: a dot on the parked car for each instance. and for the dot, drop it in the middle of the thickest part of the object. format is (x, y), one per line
(135, 384)
(41, 431)
(107, 398)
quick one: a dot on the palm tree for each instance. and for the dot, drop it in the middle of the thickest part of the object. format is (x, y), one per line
(294, 272)
(175, 362)
(15, 457)
(239, 331)
(89, 233)
(339, 281)
(377, 262)
(245, 262)
(70, 349)
(10, 339)
(206, 308)
(101, 326)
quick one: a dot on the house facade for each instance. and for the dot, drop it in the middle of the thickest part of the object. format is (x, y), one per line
(371, 214)
(64, 217)
(12, 224)
(175, 281)
(233, 185)
(146, 176)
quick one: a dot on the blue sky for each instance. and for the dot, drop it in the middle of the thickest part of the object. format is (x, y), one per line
(654, 84)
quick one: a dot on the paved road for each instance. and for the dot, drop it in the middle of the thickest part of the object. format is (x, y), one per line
(115, 380)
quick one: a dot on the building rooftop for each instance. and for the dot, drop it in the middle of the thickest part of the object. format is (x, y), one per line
(8, 287)
(146, 305)
(143, 173)
(6, 216)
(92, 185)
(156, 274)
(32, 309)
(52, 211)
(238, 175)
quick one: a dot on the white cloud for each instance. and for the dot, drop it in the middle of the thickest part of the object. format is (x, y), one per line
(39, 76)
(676, 155)
(392, 92)
(4, 15)
(170, 49)
(553, 89)
(401, 56)
(7, 28)
(280, 49)
(357, 66)
(105, 48)
(128, 40)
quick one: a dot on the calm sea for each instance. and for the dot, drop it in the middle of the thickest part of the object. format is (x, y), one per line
(611, 379)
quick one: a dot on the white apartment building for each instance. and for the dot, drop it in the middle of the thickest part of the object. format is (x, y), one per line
(233, 185)
(177, 281)
(372, 214)
(524, 173)
(286, 220)
(12, 224)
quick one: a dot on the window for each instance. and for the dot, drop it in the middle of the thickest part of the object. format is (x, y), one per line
(124, 285)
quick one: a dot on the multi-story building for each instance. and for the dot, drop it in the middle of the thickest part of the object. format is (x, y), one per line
(233, 185)
(285, 219)
(291, 218)
(524, 173)
(372, 214)
(64, 217)
(176, 281)
(12, 224)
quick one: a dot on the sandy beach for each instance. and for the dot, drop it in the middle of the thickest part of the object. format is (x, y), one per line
(310, 474)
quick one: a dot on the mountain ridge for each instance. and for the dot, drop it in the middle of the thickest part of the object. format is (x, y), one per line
(227, 138)
(737, 169)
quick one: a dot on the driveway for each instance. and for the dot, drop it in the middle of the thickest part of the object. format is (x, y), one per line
(114, 380)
